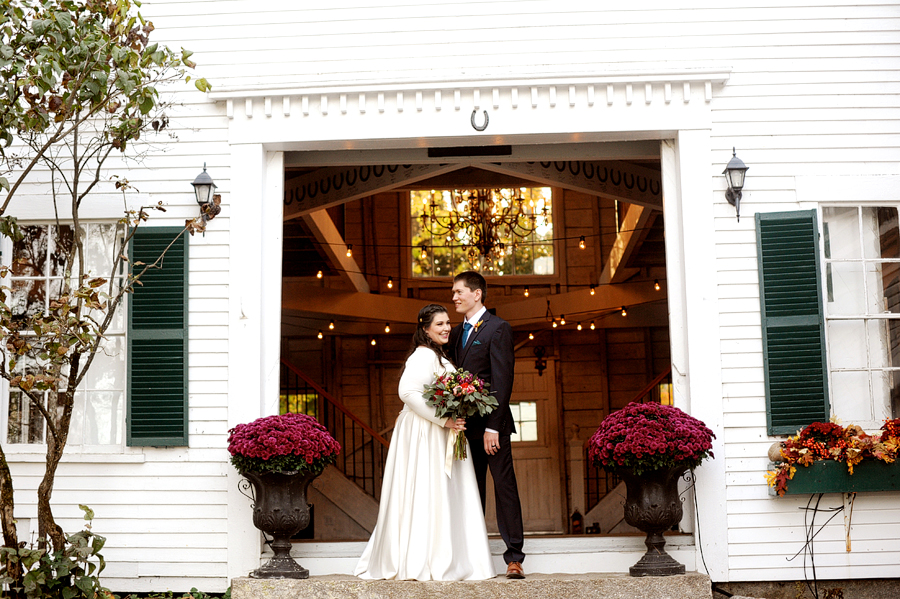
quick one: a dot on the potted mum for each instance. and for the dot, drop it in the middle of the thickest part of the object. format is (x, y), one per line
(650, 446)
(280, 456)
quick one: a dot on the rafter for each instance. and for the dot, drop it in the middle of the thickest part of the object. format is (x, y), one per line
(334, 246)
(633, 231)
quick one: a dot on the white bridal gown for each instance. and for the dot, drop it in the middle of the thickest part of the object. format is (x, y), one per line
(430, 526)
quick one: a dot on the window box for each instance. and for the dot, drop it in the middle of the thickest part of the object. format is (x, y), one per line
(827, 476)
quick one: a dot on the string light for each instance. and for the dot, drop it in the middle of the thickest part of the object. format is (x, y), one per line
(581, 242)
(562, 319)
(656, 284)
(579, 326)
(526, 292)
(554, 324)
(319, 275)
(624, 311)
(593, 326)
(349, 250)
(593, 289)
(373, 342)
(390, 284)
(320, 335)
(531, 336)
(387, 327)
(331, 326)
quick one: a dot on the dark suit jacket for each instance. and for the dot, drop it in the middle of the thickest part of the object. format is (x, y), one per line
(489, 355)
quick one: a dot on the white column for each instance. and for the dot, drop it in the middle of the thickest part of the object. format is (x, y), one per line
(693, 306)
(248, 178)
(272, 209)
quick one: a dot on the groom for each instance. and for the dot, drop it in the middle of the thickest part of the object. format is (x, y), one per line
(483, 345)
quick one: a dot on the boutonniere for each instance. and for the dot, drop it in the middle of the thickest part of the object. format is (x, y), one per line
(477, 324)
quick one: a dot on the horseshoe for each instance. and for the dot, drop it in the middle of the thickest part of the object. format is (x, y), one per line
(605, 174)
(334, 179)
(289, 197)
(586, 165)
(355, 175)
(325, 185)
(625, 180)
(392, 168)
(368, 173)
(313, 189)
(576, 170)
(656, 193)
(375, 171)
(612, 177)
(643, 188)
(486, 120)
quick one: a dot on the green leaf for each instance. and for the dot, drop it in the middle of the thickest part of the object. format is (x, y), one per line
(202, 84)
(64, 19)
(88, 512)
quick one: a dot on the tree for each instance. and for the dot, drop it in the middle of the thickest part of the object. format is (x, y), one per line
(79, 82)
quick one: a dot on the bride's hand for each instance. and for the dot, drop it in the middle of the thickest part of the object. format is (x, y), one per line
(458, 424)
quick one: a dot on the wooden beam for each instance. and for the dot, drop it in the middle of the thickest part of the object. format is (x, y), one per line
(335, 248)
(350, 304)
(633, 231)
(575, 304)
(613, 179)
(326, 187)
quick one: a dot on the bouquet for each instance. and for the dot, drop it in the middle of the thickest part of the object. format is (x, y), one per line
(459, 394)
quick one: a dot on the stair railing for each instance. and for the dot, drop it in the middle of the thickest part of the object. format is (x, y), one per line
(599, 482)
(363, 450)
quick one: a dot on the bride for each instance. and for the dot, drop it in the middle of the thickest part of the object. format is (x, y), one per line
(430, 524)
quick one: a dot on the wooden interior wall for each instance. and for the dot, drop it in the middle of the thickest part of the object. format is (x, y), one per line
(597, 371)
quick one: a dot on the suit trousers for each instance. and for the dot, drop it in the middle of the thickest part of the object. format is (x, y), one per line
(506, 492)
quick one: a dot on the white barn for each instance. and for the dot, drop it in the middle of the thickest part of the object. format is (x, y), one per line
(432, 95)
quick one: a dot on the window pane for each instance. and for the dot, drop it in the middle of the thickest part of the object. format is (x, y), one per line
(894, 342)
(847, 343)
(845, 293)
(890, 286)
(841, 233)
(880, 234)
(877, 330)
(103, 417)
(529, 431)
(63, 239)
(30, 253)
(529, 410)
(850, 396)
(886, 388)
(27, 298)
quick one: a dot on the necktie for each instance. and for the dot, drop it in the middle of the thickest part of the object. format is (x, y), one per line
(467, 328)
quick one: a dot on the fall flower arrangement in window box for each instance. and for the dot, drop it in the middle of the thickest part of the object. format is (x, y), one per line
(829, 441)
(644, 437)
(283, 443)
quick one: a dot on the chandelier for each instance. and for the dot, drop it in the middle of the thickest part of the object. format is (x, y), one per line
(481, 219)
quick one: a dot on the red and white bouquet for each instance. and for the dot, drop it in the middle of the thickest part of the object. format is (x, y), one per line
(459, 394)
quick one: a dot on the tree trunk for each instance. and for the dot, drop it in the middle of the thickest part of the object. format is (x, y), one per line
(8, 524)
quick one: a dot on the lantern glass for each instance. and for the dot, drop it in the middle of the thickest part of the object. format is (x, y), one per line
(204, 187)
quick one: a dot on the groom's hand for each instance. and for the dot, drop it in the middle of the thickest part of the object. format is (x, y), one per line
(491, 442)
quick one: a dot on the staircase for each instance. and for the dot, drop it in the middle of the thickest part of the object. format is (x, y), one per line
(352, 485)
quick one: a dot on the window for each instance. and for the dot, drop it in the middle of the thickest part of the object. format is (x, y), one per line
(144, 354)
(437, 252)
(37, 271)
(861, 249)
(525, 416)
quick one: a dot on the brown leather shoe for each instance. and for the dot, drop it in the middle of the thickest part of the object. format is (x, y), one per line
(514, 570)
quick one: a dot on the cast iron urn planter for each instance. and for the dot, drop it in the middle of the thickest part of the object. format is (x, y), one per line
(280, 509)
(653, 506)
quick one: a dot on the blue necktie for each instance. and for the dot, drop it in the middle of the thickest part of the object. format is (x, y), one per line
(466, 329)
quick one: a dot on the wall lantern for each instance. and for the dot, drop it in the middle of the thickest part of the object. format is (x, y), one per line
(734, 176)
(204, 188)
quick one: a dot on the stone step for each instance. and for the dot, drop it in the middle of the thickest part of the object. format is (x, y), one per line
(544, 555)
(536, 586)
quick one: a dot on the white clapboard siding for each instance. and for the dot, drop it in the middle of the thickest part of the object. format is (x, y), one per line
(813, 91)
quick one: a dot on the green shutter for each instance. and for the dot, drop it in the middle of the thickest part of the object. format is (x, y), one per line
(793, 327)
(158, 341)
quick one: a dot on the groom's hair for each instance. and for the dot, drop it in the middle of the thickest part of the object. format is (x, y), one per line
(473, 281)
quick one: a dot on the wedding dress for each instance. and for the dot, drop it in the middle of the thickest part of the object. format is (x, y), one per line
(430, 525)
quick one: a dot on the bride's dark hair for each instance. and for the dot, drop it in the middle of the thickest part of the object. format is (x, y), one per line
(421, 338)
